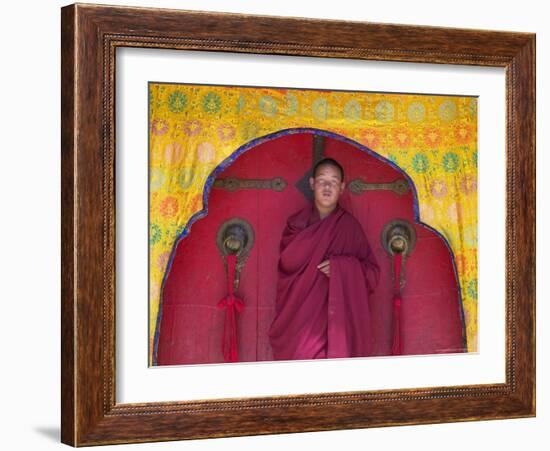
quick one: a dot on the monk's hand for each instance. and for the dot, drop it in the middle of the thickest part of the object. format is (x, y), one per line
(324, 267)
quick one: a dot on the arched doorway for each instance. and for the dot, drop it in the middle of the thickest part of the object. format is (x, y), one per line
(263, 184)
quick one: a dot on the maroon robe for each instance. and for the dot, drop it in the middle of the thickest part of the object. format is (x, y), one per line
(318, 316)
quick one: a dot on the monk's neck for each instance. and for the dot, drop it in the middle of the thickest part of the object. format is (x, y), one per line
(324, 212)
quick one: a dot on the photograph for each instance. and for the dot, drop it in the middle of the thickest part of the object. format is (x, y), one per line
(277, 226)
(296, 224)
(273, 225)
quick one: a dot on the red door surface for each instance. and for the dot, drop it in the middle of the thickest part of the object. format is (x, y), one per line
(191, 325)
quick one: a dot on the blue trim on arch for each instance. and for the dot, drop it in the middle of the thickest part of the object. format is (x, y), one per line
(255, 142)
(460, 303)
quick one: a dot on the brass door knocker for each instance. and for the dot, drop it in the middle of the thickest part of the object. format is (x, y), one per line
(399, 237)
(235, 236)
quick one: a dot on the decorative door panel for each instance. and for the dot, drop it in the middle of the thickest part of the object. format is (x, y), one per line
(263, 186)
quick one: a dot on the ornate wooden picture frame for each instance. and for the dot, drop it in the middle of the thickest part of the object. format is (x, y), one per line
(91, 414)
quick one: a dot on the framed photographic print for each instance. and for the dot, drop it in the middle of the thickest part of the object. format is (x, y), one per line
(288, 224)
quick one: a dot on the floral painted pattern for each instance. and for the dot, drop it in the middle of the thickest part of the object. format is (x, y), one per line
(319, 108)
(211, 103)
(416, 112)
(384, 111)
(154, 234)
(471, 288)
(177, 101)
(193, 128)
(159, 127)
(268, 105)
(420, 163)
(352, 110)
(450, 162)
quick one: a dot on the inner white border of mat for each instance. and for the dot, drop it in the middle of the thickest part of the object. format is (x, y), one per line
(136, 382)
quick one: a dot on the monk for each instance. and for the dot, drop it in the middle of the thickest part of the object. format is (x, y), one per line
(326, 271)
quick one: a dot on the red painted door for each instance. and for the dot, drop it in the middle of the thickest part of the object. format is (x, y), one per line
(191, 325)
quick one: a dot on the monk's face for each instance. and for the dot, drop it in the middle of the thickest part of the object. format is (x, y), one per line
(327, 186)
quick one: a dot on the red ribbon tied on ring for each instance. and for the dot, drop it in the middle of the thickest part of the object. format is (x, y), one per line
(397, 345)
(232, 305)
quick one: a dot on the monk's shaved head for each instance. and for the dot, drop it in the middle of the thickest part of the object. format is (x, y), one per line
(328, 162)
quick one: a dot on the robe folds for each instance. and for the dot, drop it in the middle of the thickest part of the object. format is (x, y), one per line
(318, 316)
